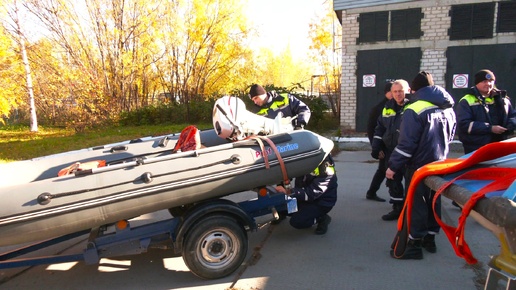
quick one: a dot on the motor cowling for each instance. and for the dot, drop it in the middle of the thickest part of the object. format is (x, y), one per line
(232, 121)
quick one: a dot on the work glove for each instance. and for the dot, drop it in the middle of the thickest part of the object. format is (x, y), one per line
(297, 124)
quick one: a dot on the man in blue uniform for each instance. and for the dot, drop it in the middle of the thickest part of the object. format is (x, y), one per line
(316, 194)
(379, 174)
(484, 114)
(272, 103)
(385, 140)
(427, 128)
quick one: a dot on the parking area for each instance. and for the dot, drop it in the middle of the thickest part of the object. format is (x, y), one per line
(354, 254)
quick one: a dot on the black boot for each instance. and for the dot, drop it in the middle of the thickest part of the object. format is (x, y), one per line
(322, 225)
(394, 214)
(429, 243)
(374, 197)
(414, 251)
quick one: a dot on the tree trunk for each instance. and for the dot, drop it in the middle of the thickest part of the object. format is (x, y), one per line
(33, 116)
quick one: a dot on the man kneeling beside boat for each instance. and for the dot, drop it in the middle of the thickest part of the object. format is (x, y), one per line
(316, 195)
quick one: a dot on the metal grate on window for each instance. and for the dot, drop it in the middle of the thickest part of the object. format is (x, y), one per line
(472, 21)
(506, 21)
(406, 24)
(373, 27)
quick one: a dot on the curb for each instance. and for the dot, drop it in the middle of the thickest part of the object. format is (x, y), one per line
(362, 144)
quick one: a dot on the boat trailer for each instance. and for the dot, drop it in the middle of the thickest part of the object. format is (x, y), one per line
(211, 236)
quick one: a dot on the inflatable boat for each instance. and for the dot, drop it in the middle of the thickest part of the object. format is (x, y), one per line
(63, 193)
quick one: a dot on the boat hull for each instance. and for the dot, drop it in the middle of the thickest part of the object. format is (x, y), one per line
(45, 208)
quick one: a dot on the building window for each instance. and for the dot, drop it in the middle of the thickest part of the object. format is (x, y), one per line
(373, 26)
(506, 21)
(472, 21)
(405, 24)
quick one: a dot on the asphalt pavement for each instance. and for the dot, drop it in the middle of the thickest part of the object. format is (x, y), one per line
(353, 254)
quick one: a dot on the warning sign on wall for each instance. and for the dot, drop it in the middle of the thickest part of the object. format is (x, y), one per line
(460, 81)
(369, 81)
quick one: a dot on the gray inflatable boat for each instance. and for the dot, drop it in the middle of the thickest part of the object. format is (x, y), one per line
(144, 176)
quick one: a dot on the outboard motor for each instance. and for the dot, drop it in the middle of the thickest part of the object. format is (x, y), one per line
(232, 121)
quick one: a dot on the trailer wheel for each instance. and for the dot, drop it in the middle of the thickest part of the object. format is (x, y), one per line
(215, 247)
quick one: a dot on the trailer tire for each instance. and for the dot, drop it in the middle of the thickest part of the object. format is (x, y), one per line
(215, 247)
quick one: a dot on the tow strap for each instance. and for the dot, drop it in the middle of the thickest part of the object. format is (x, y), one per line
(448, 166)
(501, 179)
(286, 180)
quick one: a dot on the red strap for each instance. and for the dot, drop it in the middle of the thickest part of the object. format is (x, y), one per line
(501, 178)
(488, 152)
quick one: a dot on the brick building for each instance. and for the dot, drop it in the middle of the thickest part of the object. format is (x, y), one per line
(385, 40)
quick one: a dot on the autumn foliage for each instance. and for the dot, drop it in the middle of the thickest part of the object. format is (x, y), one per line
(96, 61)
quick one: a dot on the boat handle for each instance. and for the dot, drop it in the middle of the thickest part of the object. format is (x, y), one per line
(118, 148)
(163, 142)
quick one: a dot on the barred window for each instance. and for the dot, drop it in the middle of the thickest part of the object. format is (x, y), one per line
(506, 21)
(472, 21)
(405, 24)
(373, 26)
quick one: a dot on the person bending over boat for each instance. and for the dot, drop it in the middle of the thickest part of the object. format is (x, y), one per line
(271, 104)
(316, 195)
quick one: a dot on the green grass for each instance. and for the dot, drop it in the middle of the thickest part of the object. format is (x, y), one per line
(18, 143)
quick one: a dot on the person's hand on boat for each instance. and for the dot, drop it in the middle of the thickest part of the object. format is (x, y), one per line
(297, 124)
(281, 189)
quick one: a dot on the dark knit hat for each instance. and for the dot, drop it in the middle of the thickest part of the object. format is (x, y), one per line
(483, 75)
(422, 79)
(256, 90)
(387, 88)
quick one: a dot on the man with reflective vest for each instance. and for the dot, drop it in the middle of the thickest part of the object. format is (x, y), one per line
(372, 121)
(272, 103)
(427, 128)
(484, 114)
(316, 195)
(385, 140)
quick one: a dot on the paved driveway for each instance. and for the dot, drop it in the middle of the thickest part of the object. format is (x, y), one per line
(354, 254)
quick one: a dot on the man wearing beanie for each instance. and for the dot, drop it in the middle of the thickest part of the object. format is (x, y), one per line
(484, 114)
(426, 130)
(271, 104)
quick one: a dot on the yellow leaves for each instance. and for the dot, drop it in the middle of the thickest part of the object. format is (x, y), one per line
(100, 57)
(10, 70)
